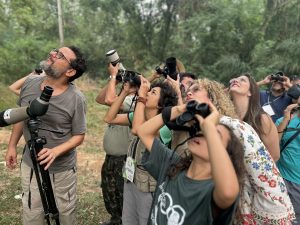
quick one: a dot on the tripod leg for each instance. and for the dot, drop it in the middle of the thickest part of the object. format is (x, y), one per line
(47, 187)
(44, 185)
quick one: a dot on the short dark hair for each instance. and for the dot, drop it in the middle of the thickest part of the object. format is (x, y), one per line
(185, 74)
(78, 64)
(168, 95)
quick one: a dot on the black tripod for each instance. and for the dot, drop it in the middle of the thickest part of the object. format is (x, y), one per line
(35, 145)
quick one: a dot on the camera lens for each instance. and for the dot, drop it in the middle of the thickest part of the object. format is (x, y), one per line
(113, 57)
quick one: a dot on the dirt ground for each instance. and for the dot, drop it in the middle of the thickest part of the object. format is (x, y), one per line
(91, 206)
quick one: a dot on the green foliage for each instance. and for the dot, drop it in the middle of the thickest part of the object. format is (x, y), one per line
(7, 99)
(216, 38)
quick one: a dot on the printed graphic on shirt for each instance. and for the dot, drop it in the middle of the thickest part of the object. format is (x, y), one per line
(174, 214)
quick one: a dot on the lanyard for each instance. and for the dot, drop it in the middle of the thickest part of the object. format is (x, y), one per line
(274, 100)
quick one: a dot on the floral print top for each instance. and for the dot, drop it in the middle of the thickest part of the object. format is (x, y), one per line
(264, 198)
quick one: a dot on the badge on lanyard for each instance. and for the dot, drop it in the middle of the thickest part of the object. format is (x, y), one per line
(129, 169)
(268, 109)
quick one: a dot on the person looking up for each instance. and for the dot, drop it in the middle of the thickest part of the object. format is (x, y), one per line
(289, 163)
(116, 140)
(67, 114)
(202, 188)
(139, 184)
(261, 174)
(245, 95)
(275, 100)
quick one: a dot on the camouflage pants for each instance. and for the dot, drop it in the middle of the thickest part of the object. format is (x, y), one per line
(112, 185)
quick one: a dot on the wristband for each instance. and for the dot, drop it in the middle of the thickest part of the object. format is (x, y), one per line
(112, 77)
(166, 114)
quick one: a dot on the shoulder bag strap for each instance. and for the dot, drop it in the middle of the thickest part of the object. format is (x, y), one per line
(290, 140)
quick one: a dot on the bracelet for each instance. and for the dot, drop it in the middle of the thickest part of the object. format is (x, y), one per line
(112, 77)
(142, 100)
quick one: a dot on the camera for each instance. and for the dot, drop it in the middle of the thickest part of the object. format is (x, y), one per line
(277, 77)
(162, 71)
(123, 75)
(168, 69)
(113, 57)
(129, 76)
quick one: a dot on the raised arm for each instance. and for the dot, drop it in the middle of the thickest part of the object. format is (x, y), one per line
(265, 81)
(286, 82)
(16, 86)
(226, 182)
(285, 121)
(112, 116)
(176, 85)
(149, 130)
(107, 94)
(139, 112)
(111, 93)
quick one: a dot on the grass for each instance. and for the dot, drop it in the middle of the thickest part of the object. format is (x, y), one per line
(90, 156)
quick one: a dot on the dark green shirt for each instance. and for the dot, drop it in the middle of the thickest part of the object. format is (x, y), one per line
(180, 200)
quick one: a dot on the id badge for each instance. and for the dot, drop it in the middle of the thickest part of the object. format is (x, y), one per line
(129, 169)
(268, 109)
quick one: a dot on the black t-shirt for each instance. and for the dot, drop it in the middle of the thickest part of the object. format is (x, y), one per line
(180, 200)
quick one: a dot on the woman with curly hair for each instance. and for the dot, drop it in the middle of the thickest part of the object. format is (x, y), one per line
(263, 195)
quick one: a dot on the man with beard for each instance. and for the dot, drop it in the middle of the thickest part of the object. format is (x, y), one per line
(66, 114)
(275, 100)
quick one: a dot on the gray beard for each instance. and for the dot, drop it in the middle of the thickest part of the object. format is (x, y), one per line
(49, 70)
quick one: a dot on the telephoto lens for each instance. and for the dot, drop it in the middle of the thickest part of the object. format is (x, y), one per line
(113, 57)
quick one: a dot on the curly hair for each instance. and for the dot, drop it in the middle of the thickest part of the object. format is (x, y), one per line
(78, 64)
(218, 96)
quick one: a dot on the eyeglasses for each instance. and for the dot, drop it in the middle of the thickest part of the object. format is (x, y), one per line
(194, 88)
(59, 55)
